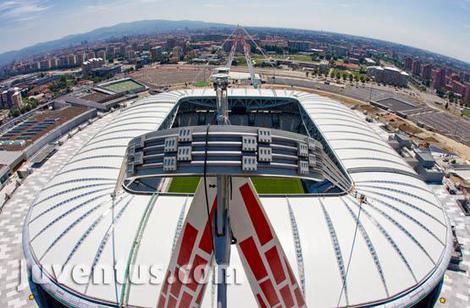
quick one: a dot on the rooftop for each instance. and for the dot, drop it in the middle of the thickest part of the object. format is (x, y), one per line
(403, 243)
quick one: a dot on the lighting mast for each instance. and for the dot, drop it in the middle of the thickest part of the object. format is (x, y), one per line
(239, 38)
(221, 224)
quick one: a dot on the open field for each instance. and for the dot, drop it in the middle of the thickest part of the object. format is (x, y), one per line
(263, 185)
(123, 86)
(201, 84)
(158, 76)
(184, 184)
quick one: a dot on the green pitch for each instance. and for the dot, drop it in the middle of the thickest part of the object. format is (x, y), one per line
(184, 184)
(123, 86)
(263, 185)
(201, 84)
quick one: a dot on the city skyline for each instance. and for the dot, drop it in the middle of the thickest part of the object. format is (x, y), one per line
(439, 27)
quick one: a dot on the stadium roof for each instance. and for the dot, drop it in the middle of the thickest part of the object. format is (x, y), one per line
(401, 252)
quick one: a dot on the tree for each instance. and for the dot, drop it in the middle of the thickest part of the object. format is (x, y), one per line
(338, 75)
(24, 109)
(14, 112)
(345, 76)
(363, 79)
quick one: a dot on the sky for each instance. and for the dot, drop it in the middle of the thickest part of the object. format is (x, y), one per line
(441, 26)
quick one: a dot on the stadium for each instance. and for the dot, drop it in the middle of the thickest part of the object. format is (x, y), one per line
(391, 250)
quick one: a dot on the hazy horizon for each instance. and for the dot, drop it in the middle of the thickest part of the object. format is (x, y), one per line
(438, 26)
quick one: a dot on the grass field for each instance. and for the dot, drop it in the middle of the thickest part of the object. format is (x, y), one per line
(184, 184)
(263, 185)
(259, 58)
(466, 112)
(201, 84)
(123, 86)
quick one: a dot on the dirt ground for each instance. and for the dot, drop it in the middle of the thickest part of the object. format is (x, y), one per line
(158, 76)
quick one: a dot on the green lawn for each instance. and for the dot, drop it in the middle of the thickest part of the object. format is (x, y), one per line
(184, 184)
(466, 112)
(266, 185)
(297, 57)
(123, 86)
(263, 185)
(260, 58)
(201, 84)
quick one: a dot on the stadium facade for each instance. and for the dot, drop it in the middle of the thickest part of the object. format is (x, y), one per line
(399, 257)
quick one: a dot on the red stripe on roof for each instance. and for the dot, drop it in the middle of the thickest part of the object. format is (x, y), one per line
(252, 256)
(261, 302)
(287, 296)
(275, 264)
(299, 297)
(171, 302)
(165, 283)
(256, 214)
(194, 281)
(201, 294)
(176, 285)
(185, 300)
(161, 302)
(206, 240)
(269, 292)
(289, 271)
(187, 244)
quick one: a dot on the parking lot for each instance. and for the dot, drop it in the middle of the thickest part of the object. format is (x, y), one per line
(446, 124)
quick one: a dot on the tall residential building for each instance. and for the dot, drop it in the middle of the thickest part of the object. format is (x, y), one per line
(438, 78)
(458, 88)
(90, 64)
(62, 61)
(170, 43)
(71, 60)
(416, 67)
(80, 58)
(11, 98)
(388, 75)
(466, 97)
(17, 100)
(156, 52)
(90, 55)
(45, 64)
(306, 45)
(466, 77)
(408, 64)
(426, 71)
(54, 62)
(177, 53)
(101, 54)
(4, 99)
